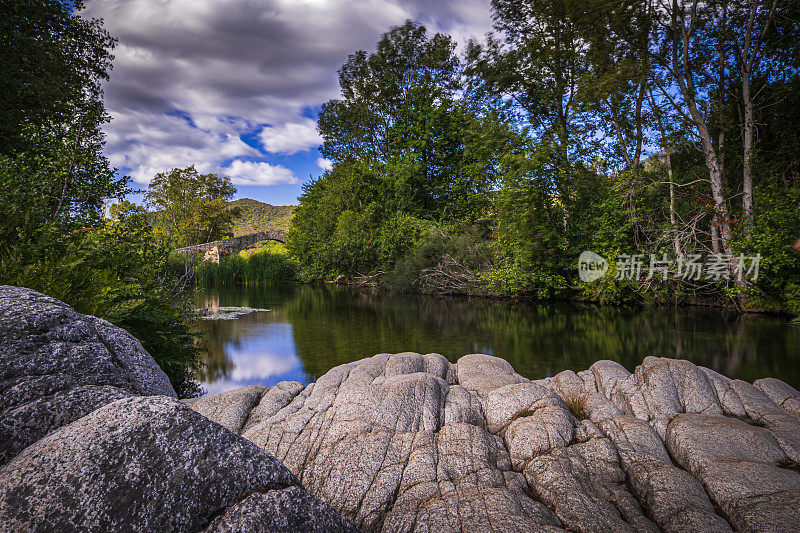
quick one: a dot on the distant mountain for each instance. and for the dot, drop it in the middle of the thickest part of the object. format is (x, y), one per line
(255, 216)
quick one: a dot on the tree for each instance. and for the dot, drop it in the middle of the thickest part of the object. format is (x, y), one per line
(408, 154)
(192, 208)
(54, 182)
(762, 33)
(408, 74)
(53, 62)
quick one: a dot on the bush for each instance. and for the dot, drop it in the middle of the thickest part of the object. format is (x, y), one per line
(773, 232)
(441, 263)
(119, 272)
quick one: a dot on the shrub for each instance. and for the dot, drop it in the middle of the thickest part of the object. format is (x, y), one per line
(119, 272)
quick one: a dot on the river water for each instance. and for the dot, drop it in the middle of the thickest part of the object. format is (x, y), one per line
(307, 330)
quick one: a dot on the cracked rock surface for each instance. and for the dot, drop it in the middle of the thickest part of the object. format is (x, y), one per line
(412, 442)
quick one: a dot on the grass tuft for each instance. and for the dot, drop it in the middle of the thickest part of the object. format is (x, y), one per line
(577, 405)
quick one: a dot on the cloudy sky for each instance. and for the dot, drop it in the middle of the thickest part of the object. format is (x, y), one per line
(233, 86)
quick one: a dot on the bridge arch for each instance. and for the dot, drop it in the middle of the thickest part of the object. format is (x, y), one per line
(234, 245)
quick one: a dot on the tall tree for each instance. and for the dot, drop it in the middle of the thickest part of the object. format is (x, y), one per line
(407, 75)
(192, 208)
(763, 35)
(53, 63)
(685, 40)
(409, 153)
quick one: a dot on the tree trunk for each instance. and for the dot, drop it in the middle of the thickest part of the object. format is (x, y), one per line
(684, 76)
(749, 127)
(675, 241)
(714, 235)
(753, 39)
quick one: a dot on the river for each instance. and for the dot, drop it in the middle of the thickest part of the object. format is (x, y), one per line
(310, 329)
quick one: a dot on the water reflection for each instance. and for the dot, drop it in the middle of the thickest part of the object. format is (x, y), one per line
(310, 329)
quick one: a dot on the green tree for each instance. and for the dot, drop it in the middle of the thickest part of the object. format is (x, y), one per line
(409, 154)
(53, 62)
(119, 271)
(54, 182)
(190, 207)
(384, 92)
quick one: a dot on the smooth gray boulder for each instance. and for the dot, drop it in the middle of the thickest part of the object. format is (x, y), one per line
(286, 510)
(153, 464)
(56, 365)
(743, 468)
(92, 438)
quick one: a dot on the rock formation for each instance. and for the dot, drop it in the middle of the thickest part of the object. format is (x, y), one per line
(59, 365)
(411, 442)
(93, 439)
(395, 442)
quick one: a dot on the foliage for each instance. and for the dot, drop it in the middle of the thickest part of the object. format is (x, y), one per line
(773, 233)
(53, 169)
(269, 263)
(55, 181)
(254, 216)
(192, 208)
(118, 272)
(408, 156)
(442, 263)
(569, 130)
(53, 64)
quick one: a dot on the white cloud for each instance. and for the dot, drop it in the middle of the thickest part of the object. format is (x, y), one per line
(191, 77)
(324, 164)
(149, 143)
(291, 138)
(258, 173)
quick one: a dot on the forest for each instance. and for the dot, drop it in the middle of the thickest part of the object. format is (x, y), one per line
(628, 128)
(624, 128)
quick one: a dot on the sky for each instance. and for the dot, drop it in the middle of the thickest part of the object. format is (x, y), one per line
(234, 86)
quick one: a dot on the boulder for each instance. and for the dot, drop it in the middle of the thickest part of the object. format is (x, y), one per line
(743, 468)
(231, 408)
(411, 442)
(58, 365)
(781, 393)
(393, 443)
(153, 464)
(93, 439)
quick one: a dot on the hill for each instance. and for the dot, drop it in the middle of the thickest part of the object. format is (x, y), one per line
(257, 216)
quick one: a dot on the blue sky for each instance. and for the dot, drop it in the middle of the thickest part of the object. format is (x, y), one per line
(234, 86)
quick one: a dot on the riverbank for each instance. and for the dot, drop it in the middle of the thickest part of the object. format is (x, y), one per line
(718, 300)
(394, 442)
(269, 262)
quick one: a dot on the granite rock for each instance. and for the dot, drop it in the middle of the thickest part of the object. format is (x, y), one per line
(394, 442)
(411, 442)
(58, 365)
(152, 464)
(92, 438)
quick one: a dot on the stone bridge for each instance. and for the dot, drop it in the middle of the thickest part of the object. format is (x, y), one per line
(233, 245)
